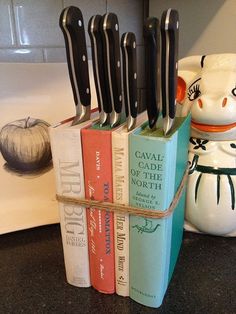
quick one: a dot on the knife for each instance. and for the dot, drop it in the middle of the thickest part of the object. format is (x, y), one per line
(169, 59)
(72, 26)
(129, 57)
(94, 30)
(152, 57)
(112, 64)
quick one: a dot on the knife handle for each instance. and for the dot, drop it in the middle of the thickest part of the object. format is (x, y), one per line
(112, 62)
(152, 67)
(129, 57)
(94, 30)
(72, 25)
(170, 38)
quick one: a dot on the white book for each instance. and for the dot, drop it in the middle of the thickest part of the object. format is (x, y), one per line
(120, 173)
(69, 174)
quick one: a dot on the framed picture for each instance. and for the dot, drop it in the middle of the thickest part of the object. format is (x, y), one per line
(32, 97)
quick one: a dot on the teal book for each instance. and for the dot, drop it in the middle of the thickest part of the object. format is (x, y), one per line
(157, 165)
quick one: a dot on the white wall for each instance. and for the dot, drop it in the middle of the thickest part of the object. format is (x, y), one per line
(206, 26)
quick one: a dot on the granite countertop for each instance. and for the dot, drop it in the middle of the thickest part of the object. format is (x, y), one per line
(33, 278)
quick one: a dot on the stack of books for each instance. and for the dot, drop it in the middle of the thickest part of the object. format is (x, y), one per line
(113, 251)
(138, 165)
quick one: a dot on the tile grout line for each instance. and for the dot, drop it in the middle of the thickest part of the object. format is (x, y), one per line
(44, 55)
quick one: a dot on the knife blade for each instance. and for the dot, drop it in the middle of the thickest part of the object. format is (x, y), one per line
(129, 57)
(112, 63)
(169, 61)
(152, 69)
(72, 25)
(94, 30)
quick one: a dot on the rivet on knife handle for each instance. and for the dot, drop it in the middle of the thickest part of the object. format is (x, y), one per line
(112, 63)
(94, 30)
(128, 48)
(72, 25)
(169, 59)
(152, 69)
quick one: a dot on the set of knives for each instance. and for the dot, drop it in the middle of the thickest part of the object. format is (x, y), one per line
(116, 78)
(161, 57)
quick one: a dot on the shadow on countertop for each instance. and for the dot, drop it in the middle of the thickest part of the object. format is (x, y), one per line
(32, 278)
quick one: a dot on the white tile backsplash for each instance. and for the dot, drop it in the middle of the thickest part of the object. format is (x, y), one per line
(54, 54)
(7, 38)
(34, 24)
(37, 22)
(21, 55)
(30, 32)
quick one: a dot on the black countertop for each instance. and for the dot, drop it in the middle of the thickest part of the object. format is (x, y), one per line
(32, 278)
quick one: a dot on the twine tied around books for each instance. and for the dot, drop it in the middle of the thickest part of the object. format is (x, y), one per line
(126, 209)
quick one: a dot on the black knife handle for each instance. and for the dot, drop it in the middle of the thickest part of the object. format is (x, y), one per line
(94, 30)
(129, 57)
(72, 25)
(112, 62)
(169, 59)
(152, 54)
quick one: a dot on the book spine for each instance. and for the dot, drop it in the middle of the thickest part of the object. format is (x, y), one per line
(120, 169)
(152, 177)
(98, 186)
(68, 168)
(178, 215)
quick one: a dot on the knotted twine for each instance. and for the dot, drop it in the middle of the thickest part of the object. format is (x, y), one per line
(126, 209)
